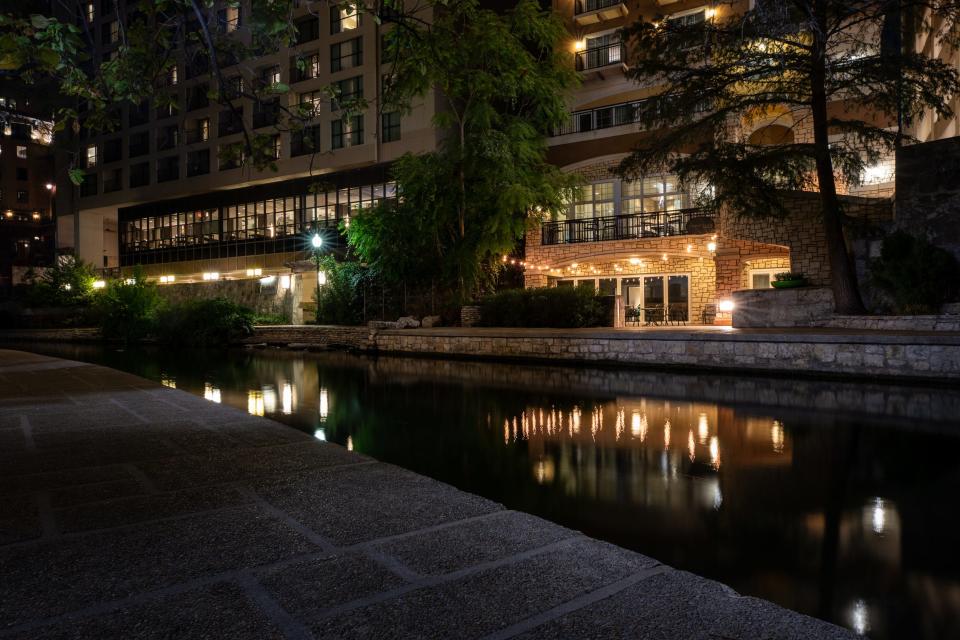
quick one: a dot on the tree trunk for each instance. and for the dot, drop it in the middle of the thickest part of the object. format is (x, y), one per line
(846, 293)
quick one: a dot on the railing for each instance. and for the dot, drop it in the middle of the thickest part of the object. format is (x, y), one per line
(586, 6)
(193, 136)
(615, 115)
(656, 224)
(603, 56)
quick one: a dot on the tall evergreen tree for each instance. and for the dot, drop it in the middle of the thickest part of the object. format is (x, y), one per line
(838, 68)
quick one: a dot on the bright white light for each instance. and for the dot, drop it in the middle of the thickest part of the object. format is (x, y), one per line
(167, 279)
(67, 287)
(634, 261)
(879, 519)
(99, 284)
(711, 246)
(860, 617)
(132, 280)
(49, 186)
(703, 428)
(725, 306)
(316, 241)
(284, 282)
(286, 398)
(324, 404)
(320, 434)
(269, 400)
(349, 443)
(321, 278)
(252, 273)
(268, 279)
(776, 436)
(211, 393)
(255, 402)
(211, 275)
(715, 451)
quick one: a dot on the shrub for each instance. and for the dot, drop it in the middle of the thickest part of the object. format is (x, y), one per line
(917, 276)
(270, 318)
(214, 322)
(127, 309)
(561, 307)
(340, 299)
(68, 283)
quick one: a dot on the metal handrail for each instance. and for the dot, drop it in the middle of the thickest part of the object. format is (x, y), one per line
(602, 56)
(586, 6)
(655, 224)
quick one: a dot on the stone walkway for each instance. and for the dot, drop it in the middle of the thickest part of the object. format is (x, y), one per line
(129, 510)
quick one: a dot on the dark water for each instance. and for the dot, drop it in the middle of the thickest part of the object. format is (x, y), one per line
(838, 500)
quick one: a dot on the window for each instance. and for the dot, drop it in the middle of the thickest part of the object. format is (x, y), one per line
(306, 67)
(600, 51)
(230, 122)
(346, 55)
(138, 114)
(113, 181)
(265, 114)
(167, 110)
(275, 147)
(596, 201)
(22, 196)
(305, 141)
(763, 278)
(198, 162)
(200, 132)
(228, 19)
(346, 132)
(110, 32)
(307, 29)
(89, 185)
(112, 150)
(168, 169)
(391, 126)
(347, 91)
(21, 151)
(172, 77)
(686, 23)
(231, 156)
(270, 76)
(168, 137)
(91, 11)
(653, 193)
(139, 144)
(23, 174)
(197, 97)
(344, 18)
(312, 100)
(139, 174)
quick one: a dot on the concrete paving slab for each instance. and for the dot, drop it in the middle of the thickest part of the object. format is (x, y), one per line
(245, 528)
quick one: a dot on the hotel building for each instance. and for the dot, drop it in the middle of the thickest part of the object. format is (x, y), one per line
(645, 240)
(159, 193)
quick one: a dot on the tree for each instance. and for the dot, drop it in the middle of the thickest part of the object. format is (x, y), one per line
(501, 81)
(838, 68)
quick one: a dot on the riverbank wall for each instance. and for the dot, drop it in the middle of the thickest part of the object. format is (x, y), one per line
(893, 355)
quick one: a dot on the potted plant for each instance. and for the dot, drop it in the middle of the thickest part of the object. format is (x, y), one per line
(788, 280)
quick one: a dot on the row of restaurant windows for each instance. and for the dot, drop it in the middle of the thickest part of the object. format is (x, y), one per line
(262, 219)
(622, 197)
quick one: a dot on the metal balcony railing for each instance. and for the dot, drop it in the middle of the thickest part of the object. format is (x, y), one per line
(603, 56)
(586, 6)
(656, 224)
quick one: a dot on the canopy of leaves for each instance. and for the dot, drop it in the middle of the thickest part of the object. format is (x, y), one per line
(502, 80)
(773, 64)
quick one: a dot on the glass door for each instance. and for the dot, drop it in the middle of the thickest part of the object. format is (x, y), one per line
(678, 294)
(653, 300)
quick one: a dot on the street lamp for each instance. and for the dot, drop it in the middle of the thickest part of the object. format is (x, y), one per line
(317, 242)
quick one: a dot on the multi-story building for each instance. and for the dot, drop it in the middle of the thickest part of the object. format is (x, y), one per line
(26, 188)
(160, 192)
(645, 240)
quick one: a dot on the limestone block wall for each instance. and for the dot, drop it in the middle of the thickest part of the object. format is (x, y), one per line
(800, 307)
(928, 192)
(266, 298)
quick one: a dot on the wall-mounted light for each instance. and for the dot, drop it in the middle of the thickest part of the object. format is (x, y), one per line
(725, 306)
(99, 284)
(711, 246)
(211, 275)
(579, 45)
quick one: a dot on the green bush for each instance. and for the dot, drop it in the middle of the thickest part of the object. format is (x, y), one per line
(917, 276)
(68, 283)
(127, 309)
(214, 322)
(270, 318)
(561, 307)
(340, 299)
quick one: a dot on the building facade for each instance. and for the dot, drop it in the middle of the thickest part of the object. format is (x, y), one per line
(26, 189)
(646, 240)
(162, 191)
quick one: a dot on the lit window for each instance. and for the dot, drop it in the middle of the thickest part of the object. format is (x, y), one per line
(344, 18)
(92, 155)
(91, 12)
(21, 151)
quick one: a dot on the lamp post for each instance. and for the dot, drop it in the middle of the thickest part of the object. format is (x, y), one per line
(317, 242)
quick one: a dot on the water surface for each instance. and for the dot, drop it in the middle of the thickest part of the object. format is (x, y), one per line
(837, 500)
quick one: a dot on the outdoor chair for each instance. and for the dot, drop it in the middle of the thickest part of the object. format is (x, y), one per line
(709, 313)
(678, 313)
(632, 316)
(653, 315)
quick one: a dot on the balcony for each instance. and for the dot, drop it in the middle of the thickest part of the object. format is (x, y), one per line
(613, 115)
(587, 12)
(602, 58)
(656, 224)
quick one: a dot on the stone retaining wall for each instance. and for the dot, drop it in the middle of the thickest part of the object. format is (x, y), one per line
(267, 298)
(823, 353)
(324, 336)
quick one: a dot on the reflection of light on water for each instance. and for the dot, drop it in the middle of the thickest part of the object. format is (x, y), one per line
(543, 471)
(638, 425)
(703, 428)
(349, 443)
(255, 402)
(269, 400)
(666, 435)
(717, 496)
(776, 436)
(168, 382)
(879, 517)
(575, 419)
(320, 434)
(324, 404)
(859, 617)
(286, 398)
(715, 451)
(691, 446)
(211, 392)
(506, 431)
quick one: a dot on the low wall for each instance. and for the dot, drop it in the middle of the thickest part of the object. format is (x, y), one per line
(267, 298)
(800, 307)
(313, 336)
(807, 307)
